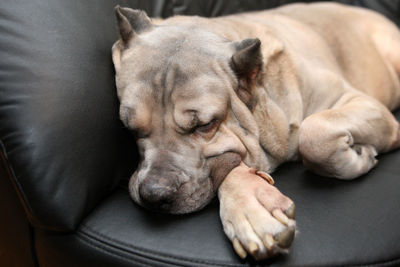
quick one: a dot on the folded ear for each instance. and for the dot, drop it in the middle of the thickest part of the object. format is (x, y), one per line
(247, 62)
(131, 22)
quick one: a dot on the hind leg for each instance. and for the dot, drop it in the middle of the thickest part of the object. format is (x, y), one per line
(386, 37)
(342, 142)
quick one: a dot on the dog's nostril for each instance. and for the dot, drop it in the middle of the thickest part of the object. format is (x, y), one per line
(156, 194)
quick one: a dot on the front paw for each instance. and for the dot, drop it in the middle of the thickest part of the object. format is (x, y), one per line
(256, 216)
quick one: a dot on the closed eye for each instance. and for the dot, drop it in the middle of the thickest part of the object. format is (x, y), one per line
(208, 127)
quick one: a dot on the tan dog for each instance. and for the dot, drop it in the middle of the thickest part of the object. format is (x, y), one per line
(312, 82)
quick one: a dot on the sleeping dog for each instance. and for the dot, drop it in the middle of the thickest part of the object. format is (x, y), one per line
(217, 104)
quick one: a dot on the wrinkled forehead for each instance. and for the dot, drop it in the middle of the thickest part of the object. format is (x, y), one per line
(174, 87)
(182, 43)
(174, 70)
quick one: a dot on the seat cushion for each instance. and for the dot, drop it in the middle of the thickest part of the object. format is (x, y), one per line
(339, 223)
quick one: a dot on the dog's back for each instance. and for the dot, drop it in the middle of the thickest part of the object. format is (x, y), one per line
(364, 43)
(356, 43)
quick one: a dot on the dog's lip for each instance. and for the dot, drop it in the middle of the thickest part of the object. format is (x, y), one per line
(216, 182)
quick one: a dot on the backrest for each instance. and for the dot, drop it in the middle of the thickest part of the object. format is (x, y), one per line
(59, 124)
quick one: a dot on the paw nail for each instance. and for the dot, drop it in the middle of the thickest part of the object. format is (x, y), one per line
(269, 241)
(266, 176)
(253, 248)
(285, 238)
(291, 211)
(280, 216)
(239, 248)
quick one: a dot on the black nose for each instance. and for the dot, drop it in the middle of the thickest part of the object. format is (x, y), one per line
(157, 193)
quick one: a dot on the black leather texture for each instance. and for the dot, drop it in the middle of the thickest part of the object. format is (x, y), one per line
(340, 223)
(68, 158)
(58, 106)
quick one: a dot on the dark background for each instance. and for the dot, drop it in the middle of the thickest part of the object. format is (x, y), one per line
(213, 8)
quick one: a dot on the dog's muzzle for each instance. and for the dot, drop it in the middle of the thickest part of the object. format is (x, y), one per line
(157, 193)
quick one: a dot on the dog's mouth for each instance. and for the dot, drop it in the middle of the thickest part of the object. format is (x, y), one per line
(188, 195)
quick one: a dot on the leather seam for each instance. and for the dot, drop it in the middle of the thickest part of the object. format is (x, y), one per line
(105, 250)
(374, 264)
(21, 197)
(11, 174)
(29, 212)
(151, 253)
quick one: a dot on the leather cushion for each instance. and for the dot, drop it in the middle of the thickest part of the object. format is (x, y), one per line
(58, 106)
(339, 222)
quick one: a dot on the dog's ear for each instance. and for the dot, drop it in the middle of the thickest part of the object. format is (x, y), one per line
(131, 22)
(247, 62)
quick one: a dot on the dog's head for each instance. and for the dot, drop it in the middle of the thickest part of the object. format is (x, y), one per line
(185, 93)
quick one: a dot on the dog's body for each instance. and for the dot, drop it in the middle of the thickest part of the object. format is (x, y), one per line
(203, 97)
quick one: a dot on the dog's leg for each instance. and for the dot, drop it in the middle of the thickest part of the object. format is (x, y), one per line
(256, 216)
(343, 141)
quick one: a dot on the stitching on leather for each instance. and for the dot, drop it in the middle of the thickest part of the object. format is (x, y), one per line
(119, 243)
(116, 243)
(107, 251)
(105, 248)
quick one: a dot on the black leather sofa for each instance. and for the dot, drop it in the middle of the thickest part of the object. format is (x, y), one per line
(66, 160)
